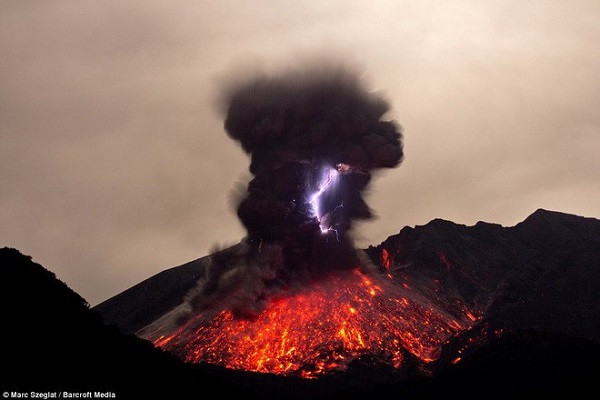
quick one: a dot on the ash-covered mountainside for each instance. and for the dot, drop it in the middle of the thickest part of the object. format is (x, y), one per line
(146, 301)
(534, 288)
(543, 273)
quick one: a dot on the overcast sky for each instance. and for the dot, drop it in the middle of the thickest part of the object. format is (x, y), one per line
(114, 164)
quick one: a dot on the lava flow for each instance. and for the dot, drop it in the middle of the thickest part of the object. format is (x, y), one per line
(295, 298)
(321, 329)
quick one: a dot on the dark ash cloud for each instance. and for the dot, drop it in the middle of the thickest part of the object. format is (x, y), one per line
(314, 137)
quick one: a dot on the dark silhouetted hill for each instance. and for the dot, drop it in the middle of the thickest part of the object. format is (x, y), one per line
(543, 273)
(536, 286)
(52, 341)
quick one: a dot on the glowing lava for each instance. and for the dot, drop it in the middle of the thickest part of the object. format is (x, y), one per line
(321, 329)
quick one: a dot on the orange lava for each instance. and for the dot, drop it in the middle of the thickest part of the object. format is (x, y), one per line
(321, 329)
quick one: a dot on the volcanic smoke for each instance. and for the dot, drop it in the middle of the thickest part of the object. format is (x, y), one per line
(296, 296)
(313, 138)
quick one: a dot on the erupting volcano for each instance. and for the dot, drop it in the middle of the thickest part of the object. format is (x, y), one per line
(298, 297)
(322, 329)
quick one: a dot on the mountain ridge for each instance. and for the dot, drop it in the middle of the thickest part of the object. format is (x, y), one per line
(517, 349)
(463, 258)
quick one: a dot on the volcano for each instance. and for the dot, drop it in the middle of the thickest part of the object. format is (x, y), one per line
(296, 299)
(450, 311)
(438, 294)
(320, 329)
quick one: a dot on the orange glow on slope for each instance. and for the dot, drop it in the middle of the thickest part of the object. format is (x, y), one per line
(385, 259)
(320, 329)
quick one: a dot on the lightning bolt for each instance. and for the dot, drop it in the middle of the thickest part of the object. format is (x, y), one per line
(329, 178)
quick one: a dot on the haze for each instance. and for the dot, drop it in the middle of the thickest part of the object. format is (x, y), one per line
(114, 162)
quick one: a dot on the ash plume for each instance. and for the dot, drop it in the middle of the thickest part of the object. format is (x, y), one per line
(313, 137)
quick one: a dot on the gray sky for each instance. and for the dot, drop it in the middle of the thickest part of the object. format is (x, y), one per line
(114, 164)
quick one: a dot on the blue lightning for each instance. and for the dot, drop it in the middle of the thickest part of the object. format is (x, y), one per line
(329, 178)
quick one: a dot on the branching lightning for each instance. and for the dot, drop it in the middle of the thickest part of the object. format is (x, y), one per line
(313, 139)
(329, 178)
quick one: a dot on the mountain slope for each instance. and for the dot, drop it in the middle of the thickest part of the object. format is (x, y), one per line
(52, 341)
(536, 285)
(543, 273)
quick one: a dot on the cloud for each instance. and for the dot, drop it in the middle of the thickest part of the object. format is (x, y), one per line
(112, 147)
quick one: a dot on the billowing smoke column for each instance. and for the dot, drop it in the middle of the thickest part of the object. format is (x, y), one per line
(313, 138)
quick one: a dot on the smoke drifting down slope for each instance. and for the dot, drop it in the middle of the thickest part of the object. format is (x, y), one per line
(313, 138)
(296, 296)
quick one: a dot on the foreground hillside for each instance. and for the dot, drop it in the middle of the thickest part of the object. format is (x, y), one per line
(52, 341)
(536, 284)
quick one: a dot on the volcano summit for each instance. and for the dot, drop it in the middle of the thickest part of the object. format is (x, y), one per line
(445, 299)
(314, 137)
(295, 297)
